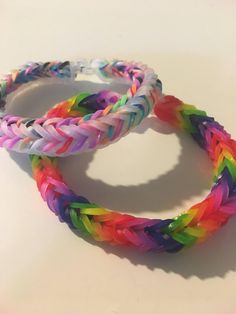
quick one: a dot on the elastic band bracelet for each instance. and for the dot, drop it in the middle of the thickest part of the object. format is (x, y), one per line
(62, 135)
(162, 235)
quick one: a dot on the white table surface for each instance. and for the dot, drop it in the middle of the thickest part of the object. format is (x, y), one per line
(47, 269)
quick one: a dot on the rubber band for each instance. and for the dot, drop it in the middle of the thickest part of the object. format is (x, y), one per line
(162, 235)
(92, 127)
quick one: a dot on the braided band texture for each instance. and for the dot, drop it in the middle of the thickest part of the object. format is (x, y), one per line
(60, 134)
(162, 235)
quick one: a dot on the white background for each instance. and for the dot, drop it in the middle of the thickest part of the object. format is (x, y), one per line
(44, 267)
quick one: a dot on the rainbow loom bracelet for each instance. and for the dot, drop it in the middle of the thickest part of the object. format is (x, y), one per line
(162, 235)
(94, 125)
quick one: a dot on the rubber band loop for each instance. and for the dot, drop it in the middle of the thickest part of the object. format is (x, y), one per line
(162, 235)
(61, 135)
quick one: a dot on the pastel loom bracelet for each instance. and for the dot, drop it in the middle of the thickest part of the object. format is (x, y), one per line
(162, 235)
(62, 135)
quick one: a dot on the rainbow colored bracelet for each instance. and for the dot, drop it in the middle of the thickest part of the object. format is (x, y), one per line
(168, 235)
